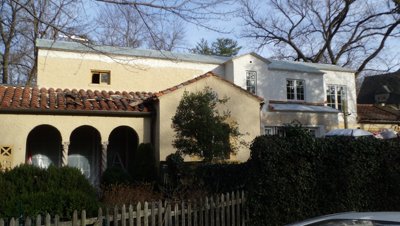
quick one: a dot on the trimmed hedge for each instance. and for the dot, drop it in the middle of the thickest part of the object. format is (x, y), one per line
(27, 190)
(296, 177)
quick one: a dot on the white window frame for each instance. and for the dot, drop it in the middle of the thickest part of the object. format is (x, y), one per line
(295, 89)
(101, 79)
(251, 81)
(339, 91)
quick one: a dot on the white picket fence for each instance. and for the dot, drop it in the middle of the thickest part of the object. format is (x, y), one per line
(222, 210)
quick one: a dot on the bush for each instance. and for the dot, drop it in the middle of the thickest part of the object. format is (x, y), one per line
(31, 190)
(145, 164)
(297, 176)
(119, 194)
(115, 175)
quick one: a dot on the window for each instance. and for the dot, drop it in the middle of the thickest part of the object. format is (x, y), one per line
(295, 89)
(5, 157)
(101, 77)
(280, 130)
(336, 96)
(251, 81)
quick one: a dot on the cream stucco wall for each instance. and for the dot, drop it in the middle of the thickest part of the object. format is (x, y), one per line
(61, 69)
(347, 79)
(15, 128)
(244, 108)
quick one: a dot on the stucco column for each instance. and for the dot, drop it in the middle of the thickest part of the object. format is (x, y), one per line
(65, 154)
(104, 156)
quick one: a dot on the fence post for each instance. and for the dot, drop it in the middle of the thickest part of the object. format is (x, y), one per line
(48, 220)
(107, 217)
(83, 218)
(138, 215)
(238, 204)
(115, 216)
(146, 214)
(228, 209)
(222, 204)
(217, 211)
(100, 217)
(57, 220)
(244, 209)
(176, 214)
(38, 220)
(182, 212)
(195, 213)
(212, 210)
(12, 222)
(153, 213)
(28, 221)
(160, 213)
(131, 215)
(123, 215)
(189, 212)
(233, 203)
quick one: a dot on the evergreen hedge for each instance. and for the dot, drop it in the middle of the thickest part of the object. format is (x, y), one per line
(296, 177)
(27, 190)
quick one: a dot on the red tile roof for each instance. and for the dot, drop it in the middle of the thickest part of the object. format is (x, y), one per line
(33, 98)
(369, 113)
(206, 75)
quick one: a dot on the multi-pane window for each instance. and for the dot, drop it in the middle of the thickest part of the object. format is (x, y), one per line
(281, 130)
(295, 89)
(336, 96)
(251, 81)
(101, 77)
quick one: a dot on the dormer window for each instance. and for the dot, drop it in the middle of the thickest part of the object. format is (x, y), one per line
(101, 77)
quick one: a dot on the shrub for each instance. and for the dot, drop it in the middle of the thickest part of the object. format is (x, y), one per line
(115, 175)
(296, 177)
(145, 163)
(31, 190)
(119, 194)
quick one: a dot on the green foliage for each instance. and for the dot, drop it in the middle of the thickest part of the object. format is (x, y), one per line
(221, 177)
(220, 47)
(175, 166)
(145, 163)
(115, 175)
(201, 130)
(296, 177)
(28, 191)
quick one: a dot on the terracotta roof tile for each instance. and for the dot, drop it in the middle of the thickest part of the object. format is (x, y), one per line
(43, 99)
(206, 75)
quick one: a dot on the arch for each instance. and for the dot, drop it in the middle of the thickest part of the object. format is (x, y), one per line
(122, 144)
(84, 152)
(43, 146)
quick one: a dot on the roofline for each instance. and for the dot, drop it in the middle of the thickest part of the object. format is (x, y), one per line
(294, 70)
(82, 47)
(250, 53)
(206, 75)
(22, 111)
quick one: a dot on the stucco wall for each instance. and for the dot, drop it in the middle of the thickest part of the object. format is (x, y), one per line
(347, 79)
(248, 63)
(60, 69)
(322, 121)
(244, 110)
(14, 129)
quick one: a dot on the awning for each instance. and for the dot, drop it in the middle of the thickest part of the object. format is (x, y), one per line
(302, 108)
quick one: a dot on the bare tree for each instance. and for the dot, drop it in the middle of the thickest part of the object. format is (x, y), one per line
(9, 16)
(24, 21)
(119, 26)
(343, 32)
(163, 20)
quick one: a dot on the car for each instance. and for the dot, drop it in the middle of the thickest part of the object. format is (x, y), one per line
(353, 219)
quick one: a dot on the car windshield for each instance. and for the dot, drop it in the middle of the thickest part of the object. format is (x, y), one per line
(346, 222)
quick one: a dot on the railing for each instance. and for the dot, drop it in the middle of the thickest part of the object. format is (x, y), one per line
(223, 210)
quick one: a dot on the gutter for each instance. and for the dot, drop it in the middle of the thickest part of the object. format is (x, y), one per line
(131, 114)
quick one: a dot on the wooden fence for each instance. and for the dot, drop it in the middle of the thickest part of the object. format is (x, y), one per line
(224, 210)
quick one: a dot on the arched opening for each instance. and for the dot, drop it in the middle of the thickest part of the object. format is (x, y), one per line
(85, 151)
(43, 146)
(123, 142)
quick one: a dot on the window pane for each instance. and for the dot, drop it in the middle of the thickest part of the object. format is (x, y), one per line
(290, 89)
(105, 78)
(96, 78)
(251, 78)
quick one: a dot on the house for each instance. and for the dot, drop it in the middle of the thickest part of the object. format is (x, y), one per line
(93, 105)
(93, 129)
(318, 96)
(379, 102)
